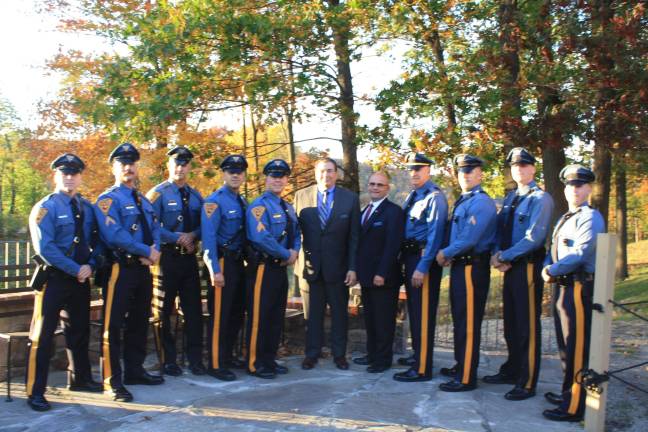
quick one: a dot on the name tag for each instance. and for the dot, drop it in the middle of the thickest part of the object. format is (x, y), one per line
(172, 203)
(277, 215)
(63, 216)
(231, 211)
(130, 207)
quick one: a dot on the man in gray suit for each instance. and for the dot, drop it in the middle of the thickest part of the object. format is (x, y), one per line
(329, 217)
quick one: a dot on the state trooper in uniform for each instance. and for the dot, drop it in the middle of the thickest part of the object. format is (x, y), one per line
(426, 213)
(63, 231)
(570, 264)
(129, 227)
(177, 207)
(223, 236)
(523, 224)
(472, 236)
(273, 231)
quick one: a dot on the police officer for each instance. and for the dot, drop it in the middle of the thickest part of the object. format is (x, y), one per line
(426, 213)
(274, 234)
(128, 226)
(63, 230)
(177, 207)
(570, 264)
(519, 251)
(223, 234)
(472, 236)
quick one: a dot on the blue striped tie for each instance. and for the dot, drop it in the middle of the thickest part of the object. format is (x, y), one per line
(324, 209)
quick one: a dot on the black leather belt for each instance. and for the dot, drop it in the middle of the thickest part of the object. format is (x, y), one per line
(126, 259)
(412, 246)
(568, 279)
(235, 255)
(175, 249)
(535, 256)
(472, 258)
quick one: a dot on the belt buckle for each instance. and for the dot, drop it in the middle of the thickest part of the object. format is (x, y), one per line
(183, 251)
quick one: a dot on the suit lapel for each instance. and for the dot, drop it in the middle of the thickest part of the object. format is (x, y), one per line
(375, 213)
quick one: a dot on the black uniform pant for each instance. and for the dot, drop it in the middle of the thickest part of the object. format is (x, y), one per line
(380, 305)
(127, 307)
(522, 298)
(59, 292)
(178, 275)
(267, 296)
(469, 283)
(574, 307)
(422, 306)
(226, 312)
(335, 294)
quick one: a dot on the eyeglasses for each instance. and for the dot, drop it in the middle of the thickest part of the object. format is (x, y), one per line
(372, 184)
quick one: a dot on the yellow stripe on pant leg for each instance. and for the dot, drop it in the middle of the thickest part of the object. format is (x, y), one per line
(218, 297)
(255, 316)
(34, 336)
(470, 322)
(580, 346)
(425, 311)
(532, 325)
(157, 306)
(110, 294)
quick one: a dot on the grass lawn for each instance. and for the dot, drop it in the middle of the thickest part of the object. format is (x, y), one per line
(633, 289)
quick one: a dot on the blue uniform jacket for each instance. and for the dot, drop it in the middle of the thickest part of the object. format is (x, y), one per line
(473, 224)
(426, 221)
(221, 225)
(530, 222)
(576, 242)
(167, 204)
(266, 226)
(51, 224)
(118, 221)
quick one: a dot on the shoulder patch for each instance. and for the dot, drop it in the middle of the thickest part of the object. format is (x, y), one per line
(152, 195)
(472, 220)
(104, 205)
(258, 212)
(210, 208)
(40, 215)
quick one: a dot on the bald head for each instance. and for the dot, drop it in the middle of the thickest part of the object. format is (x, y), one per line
(378, 186)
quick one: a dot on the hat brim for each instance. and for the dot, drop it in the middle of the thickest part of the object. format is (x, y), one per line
(277, 174)
(575, 182)
(69, 170)
(124, 160)
(466, 169)
(521, 162)
(234, 170)
(181, 162)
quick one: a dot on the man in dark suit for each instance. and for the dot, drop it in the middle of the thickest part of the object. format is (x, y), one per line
(329, 217)
(379, 274)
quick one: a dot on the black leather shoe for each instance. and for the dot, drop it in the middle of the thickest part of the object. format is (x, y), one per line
(222, 374)
(557, 414)
(377, 368)
(456, 386)
(309, 363)
(235, 363)
(144, 378)
(519, 393)
(449, 372)
(120, 394)
(554, 398)
(362, 361)
(38, 403)
(172, 369)
(86, 386)
(407, 361)
(264, 372)
(499, 378)
(341, 363)
(280, 369)
(411, 375)
(197, 369)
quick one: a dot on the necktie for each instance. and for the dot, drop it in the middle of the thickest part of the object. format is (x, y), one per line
(146, 229)
(290, 234)
(324, 209)
(508, 224)
(243, 210)
(186, 211)
(81, 250)
(365, 218)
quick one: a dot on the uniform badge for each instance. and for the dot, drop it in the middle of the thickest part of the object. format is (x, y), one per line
(210, 208)
(104, 205)
(40, 215)
(152, 195)
(258, 212)
(109, 220)
(472, 220)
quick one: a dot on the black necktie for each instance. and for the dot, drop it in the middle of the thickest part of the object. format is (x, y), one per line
(81, 250)
(289, 224)
(146, 229)
(243, 209)
(186, 210)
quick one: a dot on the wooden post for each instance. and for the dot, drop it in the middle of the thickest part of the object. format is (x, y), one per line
(599, 359)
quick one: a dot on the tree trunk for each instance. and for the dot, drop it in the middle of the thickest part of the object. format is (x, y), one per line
(553, 160)
(245, 185)
(510, 121)
(341, 35)
(621, 222)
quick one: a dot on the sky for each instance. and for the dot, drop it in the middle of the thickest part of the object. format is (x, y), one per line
(30, 38)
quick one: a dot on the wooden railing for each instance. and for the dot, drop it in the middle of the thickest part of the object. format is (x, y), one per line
(15, 266)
